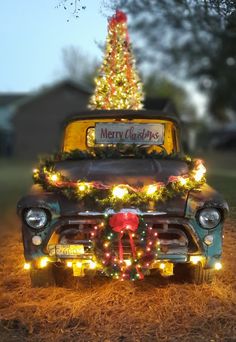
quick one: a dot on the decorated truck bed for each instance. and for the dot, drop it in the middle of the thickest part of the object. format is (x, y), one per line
(122, 200)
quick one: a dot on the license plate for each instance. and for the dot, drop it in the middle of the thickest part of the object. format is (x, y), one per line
(65, 250)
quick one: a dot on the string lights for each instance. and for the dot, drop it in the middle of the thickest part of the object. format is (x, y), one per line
(118, 196)
(118, 85)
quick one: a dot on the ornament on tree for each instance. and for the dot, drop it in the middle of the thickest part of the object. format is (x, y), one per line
(118, 85)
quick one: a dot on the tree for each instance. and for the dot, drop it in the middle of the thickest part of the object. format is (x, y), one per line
(117, 84)
(191, 38)
(73, 6)
(156, 86)
(222, 73)
(79, 67)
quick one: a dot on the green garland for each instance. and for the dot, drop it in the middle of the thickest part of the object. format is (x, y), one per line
(102, 196)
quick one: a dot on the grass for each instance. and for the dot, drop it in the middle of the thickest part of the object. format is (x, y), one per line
(221, 175)
(225, 185)
(106, 310)
(15, 181)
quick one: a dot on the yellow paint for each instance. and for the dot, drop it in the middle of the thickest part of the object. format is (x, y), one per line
(78, 271)
(166, 269)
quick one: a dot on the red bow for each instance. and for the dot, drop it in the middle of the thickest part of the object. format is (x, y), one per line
(118, 17)
(121, 223)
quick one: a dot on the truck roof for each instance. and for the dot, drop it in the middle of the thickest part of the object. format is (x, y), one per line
(122, 114)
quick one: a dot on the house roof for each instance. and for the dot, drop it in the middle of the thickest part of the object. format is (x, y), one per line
(48, 89)
(22, 99)
(10, 98)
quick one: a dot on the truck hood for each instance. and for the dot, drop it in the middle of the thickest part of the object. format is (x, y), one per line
(134, 172)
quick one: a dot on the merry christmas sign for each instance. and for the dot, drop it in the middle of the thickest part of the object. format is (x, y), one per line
(129, 133)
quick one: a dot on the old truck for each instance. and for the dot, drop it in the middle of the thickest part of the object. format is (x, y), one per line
(121, 199)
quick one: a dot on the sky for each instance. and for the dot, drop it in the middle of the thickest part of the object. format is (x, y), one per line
(33, 34)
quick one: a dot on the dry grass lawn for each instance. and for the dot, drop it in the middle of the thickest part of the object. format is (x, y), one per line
(107, 310)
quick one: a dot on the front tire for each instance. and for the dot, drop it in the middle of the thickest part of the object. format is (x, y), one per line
(63, 276)
(195, 274)
(200, 275)
(42, 277)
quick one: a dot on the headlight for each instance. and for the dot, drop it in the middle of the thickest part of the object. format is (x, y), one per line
(209, 218)
(36, 218)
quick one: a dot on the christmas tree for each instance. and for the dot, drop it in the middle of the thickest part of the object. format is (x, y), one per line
(117, 85)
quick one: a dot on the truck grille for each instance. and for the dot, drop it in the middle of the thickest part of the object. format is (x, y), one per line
(174, 238)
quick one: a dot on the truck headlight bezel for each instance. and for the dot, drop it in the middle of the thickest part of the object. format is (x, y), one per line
(209, 218)
(36, 218)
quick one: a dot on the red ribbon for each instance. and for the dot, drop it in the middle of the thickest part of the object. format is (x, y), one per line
(95, 185)
(173, 179)
(101, 186)
(125, 223)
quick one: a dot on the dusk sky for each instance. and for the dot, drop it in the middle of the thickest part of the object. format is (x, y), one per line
(33, 34)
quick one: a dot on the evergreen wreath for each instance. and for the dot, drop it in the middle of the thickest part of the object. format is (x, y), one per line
(125, 261)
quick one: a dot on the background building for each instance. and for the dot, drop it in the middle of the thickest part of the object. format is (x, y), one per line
(33, 123)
